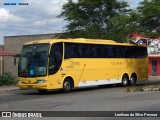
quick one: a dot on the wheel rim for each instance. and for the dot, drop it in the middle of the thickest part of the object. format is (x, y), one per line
(67, 85)
(124, 81)
(132, 80)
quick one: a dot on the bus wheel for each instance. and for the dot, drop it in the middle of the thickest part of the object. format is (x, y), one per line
(125, 80)
(42, 91)
(133, 80)
(67, 85)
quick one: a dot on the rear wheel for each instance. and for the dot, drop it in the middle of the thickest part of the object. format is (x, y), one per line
(125, 80)
(133, 80)
(67, 85)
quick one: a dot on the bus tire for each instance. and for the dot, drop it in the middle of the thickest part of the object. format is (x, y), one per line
(67, 85)
(133, 80)
(125, 80)
(42, 91)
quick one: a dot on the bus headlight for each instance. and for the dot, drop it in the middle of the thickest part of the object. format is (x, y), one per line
(41, 81)
(20, 82)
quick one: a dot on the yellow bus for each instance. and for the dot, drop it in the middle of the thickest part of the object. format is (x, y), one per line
(70, 63)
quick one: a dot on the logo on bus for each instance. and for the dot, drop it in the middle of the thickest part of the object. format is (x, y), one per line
(73, 63)
(117, 63)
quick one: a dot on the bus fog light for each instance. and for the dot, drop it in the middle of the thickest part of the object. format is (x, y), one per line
(41, 81)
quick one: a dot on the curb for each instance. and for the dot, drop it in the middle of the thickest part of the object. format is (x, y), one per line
(8, 88)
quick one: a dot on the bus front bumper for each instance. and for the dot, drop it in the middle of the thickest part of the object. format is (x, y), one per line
(37, 86)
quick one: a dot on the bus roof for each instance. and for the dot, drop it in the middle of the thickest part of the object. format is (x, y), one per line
(78, 40)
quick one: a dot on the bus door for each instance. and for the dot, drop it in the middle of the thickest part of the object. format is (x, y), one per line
(154, 67)
(55, 61)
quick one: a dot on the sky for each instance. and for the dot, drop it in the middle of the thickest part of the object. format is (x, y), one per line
(35, 17)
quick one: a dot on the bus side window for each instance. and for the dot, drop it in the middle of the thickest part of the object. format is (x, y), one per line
(123, 52)
(94, 53)
(137, 52)
(109, 52)
(85, 51)
(80, 50)
(133, 52)
(144, 52)
(98, 52)
(116, 52)
(141, 52)
(55, 58)
(69, 52)
(75, 51)
(129, 52)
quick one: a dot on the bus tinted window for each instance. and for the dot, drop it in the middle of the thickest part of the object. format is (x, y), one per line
(85, 50)
(74, 50)
(142, 52)
(109, 52)
(124, 52)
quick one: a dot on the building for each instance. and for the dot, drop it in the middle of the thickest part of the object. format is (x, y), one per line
(1, 60)
(2, 55)
(14, 44)
(154, 65)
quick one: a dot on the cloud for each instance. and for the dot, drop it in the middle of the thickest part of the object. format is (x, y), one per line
(23, 20)
(5, 16)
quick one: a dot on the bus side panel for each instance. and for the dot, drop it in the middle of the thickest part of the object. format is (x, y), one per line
(97, 70)
(142, 65)
(102, 70)
(55, 80)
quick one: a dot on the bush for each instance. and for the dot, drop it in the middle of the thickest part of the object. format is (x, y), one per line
(7, 79)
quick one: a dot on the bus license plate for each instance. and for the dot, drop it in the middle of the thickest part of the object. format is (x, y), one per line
(29, 87)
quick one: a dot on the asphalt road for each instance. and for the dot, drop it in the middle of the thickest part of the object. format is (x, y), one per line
(110, 98)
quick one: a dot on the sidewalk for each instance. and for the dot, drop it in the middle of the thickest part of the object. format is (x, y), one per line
(153, 77)
(8, 88)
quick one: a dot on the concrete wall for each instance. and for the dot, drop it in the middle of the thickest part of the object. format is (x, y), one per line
(14, 44)
(1, 60)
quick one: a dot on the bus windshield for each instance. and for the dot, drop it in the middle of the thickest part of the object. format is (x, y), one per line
(33, 61)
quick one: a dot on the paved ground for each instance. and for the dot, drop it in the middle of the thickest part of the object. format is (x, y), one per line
(8, 88)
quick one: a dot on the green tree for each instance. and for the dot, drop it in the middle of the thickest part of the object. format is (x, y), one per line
(149, 11)
(7, 79)
(102, 19)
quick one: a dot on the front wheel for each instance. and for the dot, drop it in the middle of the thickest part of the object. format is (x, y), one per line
(67, 85)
